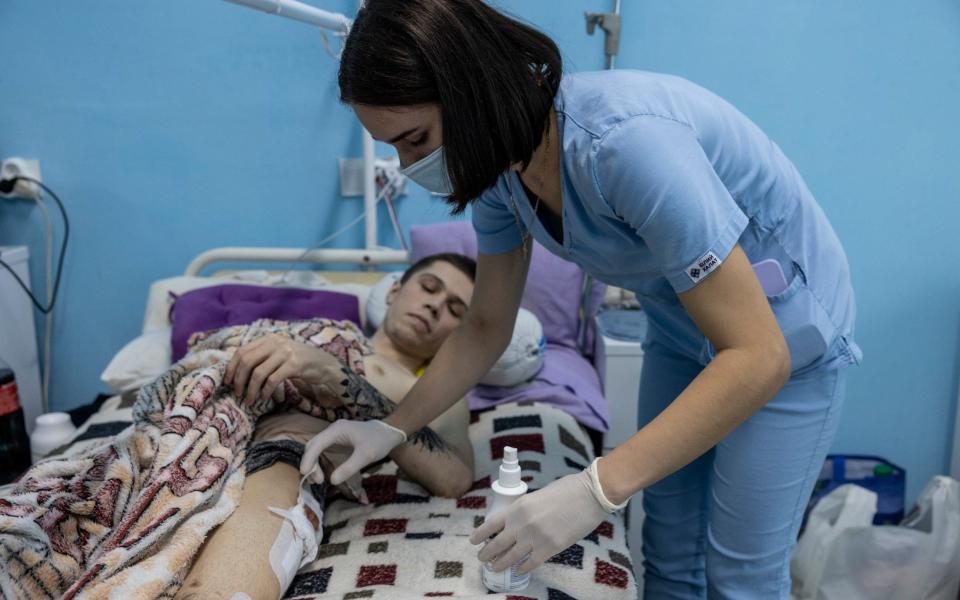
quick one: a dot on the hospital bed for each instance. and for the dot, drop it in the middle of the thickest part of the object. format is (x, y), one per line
(406, 544)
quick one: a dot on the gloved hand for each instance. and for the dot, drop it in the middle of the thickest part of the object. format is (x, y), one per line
(544, 522)
(370, 440)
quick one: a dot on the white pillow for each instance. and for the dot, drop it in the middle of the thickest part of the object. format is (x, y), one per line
(523, 357)
(376, 305)
(141, 361)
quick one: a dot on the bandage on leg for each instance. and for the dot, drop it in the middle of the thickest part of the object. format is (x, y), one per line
(299, 538)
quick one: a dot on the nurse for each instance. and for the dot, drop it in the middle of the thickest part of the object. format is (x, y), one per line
(654, 184)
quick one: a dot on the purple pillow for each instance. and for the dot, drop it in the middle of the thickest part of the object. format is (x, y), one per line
(567, 381)
(226, 305)
(553, 284)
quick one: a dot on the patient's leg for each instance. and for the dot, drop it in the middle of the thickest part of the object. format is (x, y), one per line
(235, 558)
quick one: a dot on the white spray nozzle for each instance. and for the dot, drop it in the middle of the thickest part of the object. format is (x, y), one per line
(510, 468)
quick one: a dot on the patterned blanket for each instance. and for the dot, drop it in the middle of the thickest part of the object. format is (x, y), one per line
(124, 518)
(123, 509)
(407, 544)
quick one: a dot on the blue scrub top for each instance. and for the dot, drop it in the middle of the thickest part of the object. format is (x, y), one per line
(660, 179)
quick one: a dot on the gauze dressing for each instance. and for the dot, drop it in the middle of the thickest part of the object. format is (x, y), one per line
(299, 537)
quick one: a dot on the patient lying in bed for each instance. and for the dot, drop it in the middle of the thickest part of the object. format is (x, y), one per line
(424, 307)
(125, 517)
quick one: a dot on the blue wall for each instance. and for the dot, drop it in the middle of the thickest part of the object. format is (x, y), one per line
(173, 126)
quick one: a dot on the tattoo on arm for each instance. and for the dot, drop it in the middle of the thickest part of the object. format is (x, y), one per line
(429, 439)
(362, 399)
(363, 402)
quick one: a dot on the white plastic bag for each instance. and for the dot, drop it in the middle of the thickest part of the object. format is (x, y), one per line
(847, 507)
(841, 556)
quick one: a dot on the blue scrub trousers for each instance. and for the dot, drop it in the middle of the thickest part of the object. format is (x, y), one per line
(725, 525)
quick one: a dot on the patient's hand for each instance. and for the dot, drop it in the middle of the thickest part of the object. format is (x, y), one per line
(257, 368)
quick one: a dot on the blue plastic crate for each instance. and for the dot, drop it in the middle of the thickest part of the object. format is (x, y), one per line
(871, 472)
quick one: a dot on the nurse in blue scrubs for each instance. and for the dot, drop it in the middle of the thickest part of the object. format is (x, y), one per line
(654, 184)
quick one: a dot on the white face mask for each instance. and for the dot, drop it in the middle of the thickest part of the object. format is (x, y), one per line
(431, 172)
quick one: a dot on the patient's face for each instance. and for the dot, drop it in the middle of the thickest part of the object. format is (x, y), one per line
(423, 311)
(415, 131)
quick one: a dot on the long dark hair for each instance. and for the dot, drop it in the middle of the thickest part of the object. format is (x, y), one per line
(493, 77)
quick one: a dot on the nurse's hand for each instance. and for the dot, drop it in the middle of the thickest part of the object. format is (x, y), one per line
(257, 368)
(544, 522)
(370, 440)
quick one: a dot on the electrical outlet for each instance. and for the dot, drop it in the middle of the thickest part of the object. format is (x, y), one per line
(390, 166)
(15, 167)
(351, 174)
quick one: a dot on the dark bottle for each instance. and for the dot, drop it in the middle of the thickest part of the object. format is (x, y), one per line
(14, 443)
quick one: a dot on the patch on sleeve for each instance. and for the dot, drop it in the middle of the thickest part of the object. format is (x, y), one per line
(703, 266)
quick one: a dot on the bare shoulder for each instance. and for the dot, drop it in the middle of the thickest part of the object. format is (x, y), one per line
(390, 378)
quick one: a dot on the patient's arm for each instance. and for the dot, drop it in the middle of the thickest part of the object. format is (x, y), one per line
(439, 457)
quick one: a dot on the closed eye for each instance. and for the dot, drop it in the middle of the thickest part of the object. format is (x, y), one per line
(419, 141)
(457, 309)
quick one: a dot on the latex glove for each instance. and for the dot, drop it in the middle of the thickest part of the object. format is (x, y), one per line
(544, 522)
(370, 440)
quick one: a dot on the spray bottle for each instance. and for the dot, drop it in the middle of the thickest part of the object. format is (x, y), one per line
(506, 491)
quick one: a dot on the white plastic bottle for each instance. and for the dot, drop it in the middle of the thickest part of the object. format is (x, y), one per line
(506, 490)
(51, 431)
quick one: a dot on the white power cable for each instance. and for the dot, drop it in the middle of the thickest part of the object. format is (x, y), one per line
(48, 318)
(395, 180)
(383, 178)
(328, 47)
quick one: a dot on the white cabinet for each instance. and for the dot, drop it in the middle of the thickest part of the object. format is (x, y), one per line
(18, 337)
(619, 363)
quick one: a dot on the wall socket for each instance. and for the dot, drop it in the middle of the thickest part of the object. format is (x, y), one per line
(351, 174)
(16, 166)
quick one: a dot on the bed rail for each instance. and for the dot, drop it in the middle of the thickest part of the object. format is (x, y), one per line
(291, 255)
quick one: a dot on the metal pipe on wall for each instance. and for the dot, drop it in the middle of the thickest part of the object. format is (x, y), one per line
(298, 11)
(611, 58)
(610, 24)
(369, 192)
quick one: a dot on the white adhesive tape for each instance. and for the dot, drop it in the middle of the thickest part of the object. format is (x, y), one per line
(285, 555)
(299, 537)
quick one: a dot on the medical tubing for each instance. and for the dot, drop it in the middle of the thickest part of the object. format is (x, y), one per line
(395, 179)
